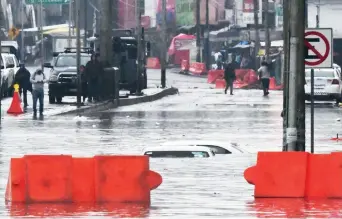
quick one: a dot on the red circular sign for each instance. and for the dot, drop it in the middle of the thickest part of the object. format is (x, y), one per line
(323, 57)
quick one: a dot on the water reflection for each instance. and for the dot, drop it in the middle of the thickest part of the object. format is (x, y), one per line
(76, 210)
(296, 208)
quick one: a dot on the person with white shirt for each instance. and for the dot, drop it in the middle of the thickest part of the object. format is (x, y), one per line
(264, 75)
(218, 59)
(38, 79)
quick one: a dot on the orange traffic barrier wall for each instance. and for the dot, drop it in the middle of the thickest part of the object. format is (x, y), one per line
(213, 75)
(64, 179)
(296, 175)
(153, 63)
(197, 69)
(273, 85)
(185, 65)
(220, 84)
(244, 78)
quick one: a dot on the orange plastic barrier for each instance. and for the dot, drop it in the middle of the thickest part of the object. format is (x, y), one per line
(153, 63)
(244, 78)
(220, 84)
(197, 69)
(213, 75)
(296, 175)
(15, 107)
(64, 179)
(185, 65)
(274, 86)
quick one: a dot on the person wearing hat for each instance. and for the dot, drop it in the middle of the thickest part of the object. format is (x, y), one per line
(22, 78)
(38, 79)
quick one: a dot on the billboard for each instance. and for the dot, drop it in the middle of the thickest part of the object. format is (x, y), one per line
(248, 12)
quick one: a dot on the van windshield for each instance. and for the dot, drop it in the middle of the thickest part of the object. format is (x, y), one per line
(177, 154)
(321, 73)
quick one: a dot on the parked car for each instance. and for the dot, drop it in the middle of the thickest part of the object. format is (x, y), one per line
(219, 147)
(327, 84)
(9, 67)
(178, 152)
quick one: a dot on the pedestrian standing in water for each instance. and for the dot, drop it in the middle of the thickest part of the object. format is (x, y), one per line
(264, 76)
(229, 74)
(38, 79)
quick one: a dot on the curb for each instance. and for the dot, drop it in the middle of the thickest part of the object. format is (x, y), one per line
(109, 104)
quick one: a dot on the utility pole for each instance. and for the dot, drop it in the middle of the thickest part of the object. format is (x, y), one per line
(256, 28)
(301, 77)
(164, 45)
(286, 51)
(22, 50)
(206, 37)
(267, 28)
(85, 23)
(294, 128)
(105, 32)
(198, 30)
(78, 52)
(138, 33)
(42, 34)
(70, 22)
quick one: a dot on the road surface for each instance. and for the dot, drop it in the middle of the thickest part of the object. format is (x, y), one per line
(192, 188)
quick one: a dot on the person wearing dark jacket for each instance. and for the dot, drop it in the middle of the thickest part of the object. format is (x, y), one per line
(22, 77)
(229, 74)
(94, 72)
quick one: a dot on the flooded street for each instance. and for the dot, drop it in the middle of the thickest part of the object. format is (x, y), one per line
(191, 188)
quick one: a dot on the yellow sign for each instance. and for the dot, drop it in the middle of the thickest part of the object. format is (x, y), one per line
(13, 33)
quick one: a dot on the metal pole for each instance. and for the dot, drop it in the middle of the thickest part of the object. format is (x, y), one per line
(85, 23)
(198, 31)
(318, 13)
(256, 28)
(286, 51)
(291, 131)
(70, 21)
(42, 34)
(206, 36)
(312, 110)
(267, 40)
(22, 52)
(164, 50)
(138, 21)
(1, 95)
(78, 52)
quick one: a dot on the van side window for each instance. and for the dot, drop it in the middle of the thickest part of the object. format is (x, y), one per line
(9, 61)
(15, 60)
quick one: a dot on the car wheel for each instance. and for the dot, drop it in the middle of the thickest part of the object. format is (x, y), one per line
(52, 99)
(59, 99)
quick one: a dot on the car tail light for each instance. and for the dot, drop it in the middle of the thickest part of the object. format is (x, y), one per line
(335, 81)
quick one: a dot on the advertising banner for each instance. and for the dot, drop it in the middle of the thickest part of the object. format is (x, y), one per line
(185, 12)
(170, 12)
(248, 12)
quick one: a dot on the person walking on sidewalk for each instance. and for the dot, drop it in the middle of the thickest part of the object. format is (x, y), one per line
(229, 74)
(22, 77)
(38, 79)
(264, 75)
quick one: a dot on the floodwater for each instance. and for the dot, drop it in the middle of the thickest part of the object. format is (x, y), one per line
(191, 188)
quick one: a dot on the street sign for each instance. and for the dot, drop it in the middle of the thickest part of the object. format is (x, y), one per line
(13, 33)
(34, 2)
(318, 44)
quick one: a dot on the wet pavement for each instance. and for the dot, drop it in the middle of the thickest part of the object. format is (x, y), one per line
(192, 188)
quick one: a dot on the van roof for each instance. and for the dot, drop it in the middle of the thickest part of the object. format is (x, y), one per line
(178, 148)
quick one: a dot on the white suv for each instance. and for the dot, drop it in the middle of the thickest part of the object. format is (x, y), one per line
(327, 84)
(9, 67)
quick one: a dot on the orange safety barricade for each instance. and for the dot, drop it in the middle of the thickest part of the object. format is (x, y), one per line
(213, 75)
(185, 66)
(296, 175)
(273, 84)
(197, 69)
(64, 179)
(153, 63)
(220, 84)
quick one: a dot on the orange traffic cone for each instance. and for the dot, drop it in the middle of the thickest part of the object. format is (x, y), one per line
(15, 107)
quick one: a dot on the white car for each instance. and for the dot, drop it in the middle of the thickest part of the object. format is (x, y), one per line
(178, 152)
(9, 67)
(327, 84)
(219, 147)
